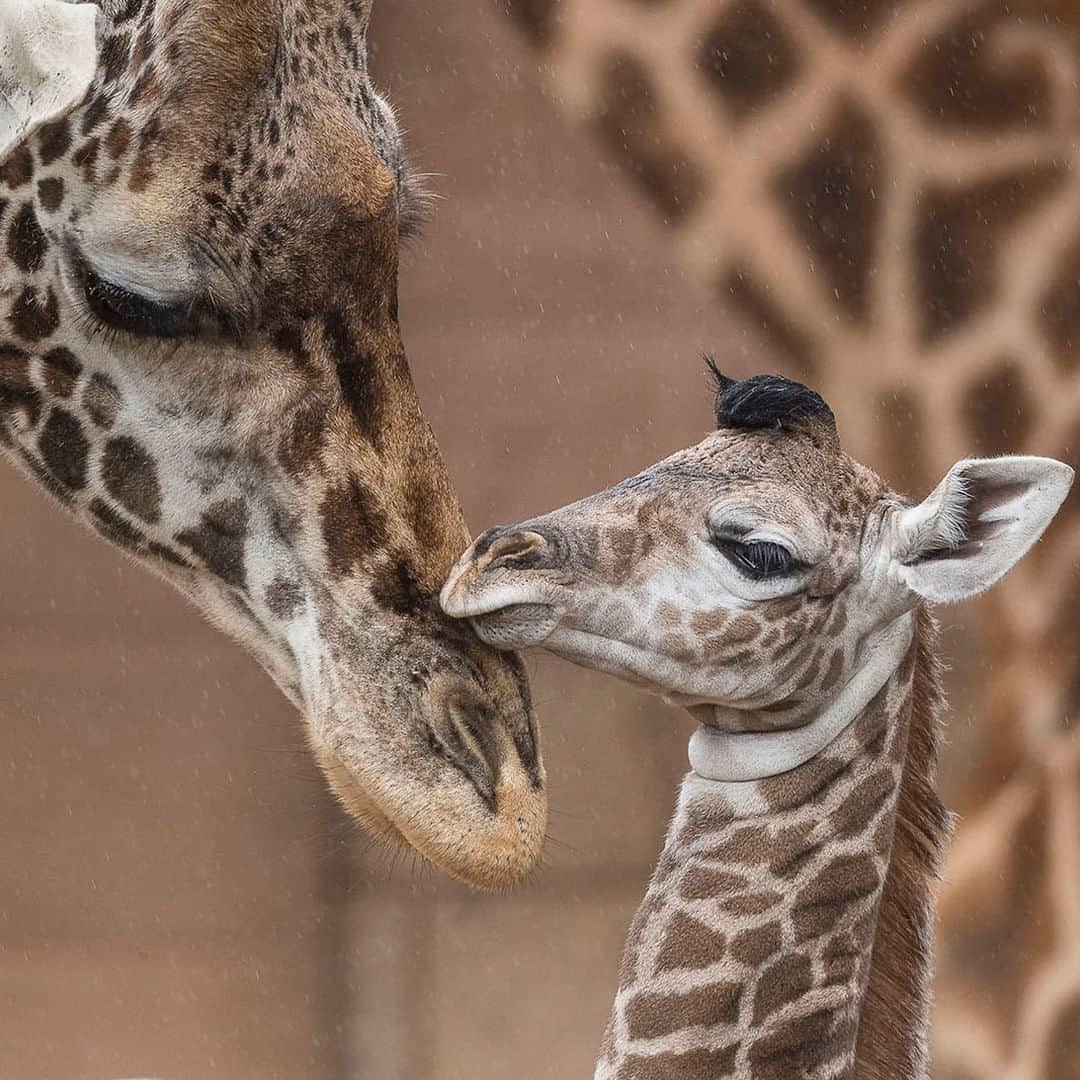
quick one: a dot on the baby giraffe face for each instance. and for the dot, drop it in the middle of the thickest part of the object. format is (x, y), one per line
(751, 576)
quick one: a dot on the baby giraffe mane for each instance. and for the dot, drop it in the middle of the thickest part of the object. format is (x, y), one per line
(897, 1001)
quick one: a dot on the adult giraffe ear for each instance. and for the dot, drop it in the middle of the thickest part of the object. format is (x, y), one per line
(977, 524)
(48, 57)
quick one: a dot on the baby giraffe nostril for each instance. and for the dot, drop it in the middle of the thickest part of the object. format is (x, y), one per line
(521, 550)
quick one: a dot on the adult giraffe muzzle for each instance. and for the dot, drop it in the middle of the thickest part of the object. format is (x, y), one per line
(200, 357)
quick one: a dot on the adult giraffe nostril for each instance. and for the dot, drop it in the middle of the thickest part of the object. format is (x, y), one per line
(465, 734)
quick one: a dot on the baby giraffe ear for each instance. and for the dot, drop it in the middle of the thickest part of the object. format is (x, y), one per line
(977, 524)
(48, 57)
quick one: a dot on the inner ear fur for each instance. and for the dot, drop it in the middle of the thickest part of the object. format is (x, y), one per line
(978, 523)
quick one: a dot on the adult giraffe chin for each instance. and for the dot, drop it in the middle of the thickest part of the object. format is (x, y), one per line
(200, 208)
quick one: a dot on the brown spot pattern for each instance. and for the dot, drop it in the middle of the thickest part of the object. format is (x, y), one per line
(35, 315)
(85, 159)
(537, 18)
(902, 435)
(631, 127)
(754, 947)
(1063, 1045)
(653, 1015)
(689, 943)
(781, 983)
(113, 527)
(101, 399)
(958, 81)
(118, 139)
(17, 392)
(956, 240)
(18, 168)
(353, 525)
(795, 1048)
(395, 587)
(284, 598)
(703, 883)
(65, 449)
(1060, 311)
(219, 540)
(60, 370)
(999, 410)
(831, 197)
(691, 1065)
(790, 848)
(131, 478)
(749, 844)
(300, 449)
(838, 887)
(26, 242)
(358, 375)
(53, 141)
(747, 58)
(862, 804)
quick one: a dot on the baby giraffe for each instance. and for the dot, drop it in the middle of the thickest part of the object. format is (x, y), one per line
(777, 589)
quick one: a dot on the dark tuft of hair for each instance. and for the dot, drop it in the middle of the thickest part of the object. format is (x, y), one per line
(766, 401)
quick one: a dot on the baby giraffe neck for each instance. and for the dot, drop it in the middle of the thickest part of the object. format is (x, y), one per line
(787, 928)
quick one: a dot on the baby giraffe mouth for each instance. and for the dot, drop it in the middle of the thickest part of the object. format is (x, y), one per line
(517, 626)
(505, 607)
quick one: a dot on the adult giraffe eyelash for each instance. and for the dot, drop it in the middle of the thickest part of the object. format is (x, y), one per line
(123, 310)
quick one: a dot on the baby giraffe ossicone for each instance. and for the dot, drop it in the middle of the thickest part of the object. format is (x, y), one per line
(776, 588)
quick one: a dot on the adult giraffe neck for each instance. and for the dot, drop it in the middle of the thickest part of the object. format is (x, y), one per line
(786, 929)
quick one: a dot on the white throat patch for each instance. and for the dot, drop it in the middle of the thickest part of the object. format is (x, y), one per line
(745, 757)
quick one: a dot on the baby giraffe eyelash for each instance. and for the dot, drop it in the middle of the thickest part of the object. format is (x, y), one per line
(758, 560)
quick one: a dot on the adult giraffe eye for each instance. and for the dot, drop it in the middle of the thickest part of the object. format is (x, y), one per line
(757, 559)
(122, 309)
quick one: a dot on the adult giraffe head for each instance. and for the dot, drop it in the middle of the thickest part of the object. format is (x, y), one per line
(200, 209)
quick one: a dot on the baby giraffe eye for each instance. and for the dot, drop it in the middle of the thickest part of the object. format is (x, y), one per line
(757, 559)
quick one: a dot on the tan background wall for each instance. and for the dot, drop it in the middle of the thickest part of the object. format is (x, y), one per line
(178, 896)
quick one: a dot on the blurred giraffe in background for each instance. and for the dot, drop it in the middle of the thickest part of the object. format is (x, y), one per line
(889, 190)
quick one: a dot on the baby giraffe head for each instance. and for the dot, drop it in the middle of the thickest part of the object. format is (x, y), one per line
(756, 577)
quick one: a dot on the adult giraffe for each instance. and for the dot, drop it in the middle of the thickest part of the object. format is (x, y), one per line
(200, 206)
(776, 588)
